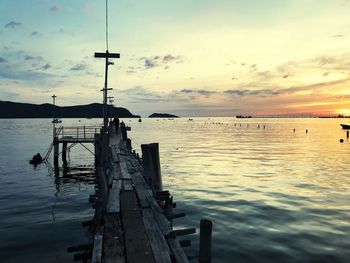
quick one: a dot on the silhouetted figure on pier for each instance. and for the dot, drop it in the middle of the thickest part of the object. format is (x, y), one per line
(116, 124)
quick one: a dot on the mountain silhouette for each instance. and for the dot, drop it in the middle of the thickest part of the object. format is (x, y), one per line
(10, 109)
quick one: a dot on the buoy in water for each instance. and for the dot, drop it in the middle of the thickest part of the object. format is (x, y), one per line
(37, 159)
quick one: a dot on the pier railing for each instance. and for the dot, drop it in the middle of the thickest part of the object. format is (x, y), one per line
(77, 132)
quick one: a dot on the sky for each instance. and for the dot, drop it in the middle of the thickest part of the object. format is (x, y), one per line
(185, 57)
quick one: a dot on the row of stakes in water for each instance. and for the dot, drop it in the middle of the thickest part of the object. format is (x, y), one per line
(263, 126)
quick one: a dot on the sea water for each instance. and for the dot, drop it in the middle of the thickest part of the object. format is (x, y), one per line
(272, 193)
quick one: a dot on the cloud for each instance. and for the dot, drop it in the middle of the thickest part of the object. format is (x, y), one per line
(140, 94)
(13, 24)
(46, 66)
(35, 34)
(169, 58)
(2, 60)
(78, 67)
(32, 58)
(187, 91)
(27, 57)
(198, 91)
(205, 92)
(312, 88)
(156, 61)
(25, 75)
(247, 92)
(55, 8)
(150, 63)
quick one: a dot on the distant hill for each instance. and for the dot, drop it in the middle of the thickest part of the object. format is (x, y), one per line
(26, 110)
(162, 115)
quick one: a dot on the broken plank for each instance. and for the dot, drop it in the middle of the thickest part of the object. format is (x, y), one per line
(159, 245)
(178, 253)
(163, 223)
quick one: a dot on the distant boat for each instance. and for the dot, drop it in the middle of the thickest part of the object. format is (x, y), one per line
(190, 119)
(345, 126)
(243, 117)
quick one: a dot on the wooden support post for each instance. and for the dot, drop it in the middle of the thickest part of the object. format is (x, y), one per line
(124, 133)
(151, 164)
(128, 144)
(55, 153)
(64, 153)
(205, 241)
(347, 134)
(97, 145)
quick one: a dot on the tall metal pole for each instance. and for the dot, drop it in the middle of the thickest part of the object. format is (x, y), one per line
(105, 119)
(54, 116)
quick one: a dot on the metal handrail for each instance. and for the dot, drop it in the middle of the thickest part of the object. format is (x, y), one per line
(78, 132)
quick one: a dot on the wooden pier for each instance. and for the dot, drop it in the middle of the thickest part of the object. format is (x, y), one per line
(133, 220)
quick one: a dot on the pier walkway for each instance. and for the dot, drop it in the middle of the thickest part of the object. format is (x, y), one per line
(133, 220)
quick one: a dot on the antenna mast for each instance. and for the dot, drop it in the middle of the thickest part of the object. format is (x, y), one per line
(106, 55)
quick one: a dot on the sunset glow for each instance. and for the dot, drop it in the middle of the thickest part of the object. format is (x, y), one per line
(207, 58)
(345, 112)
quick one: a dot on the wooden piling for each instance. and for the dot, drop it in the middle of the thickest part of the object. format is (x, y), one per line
(128, 144)
(347, 134)
(205, 241)
(55, 153)
(97, 143)
(124, 133)
(151, 164)
(64, 153)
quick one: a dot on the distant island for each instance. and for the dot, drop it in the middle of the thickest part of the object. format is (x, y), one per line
(162, 115)
(10, 109)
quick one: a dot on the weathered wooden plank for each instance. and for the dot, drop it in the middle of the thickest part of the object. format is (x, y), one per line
(137, 244)
(143, 190)
(113, 245)
(183, 232)
(103, 187)
(113, 150)
(110, 175)
(159, 245)
(117, 175)
(113, 205)
(163, 223)
(178, 253)
(97, 250)
(123, 167)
